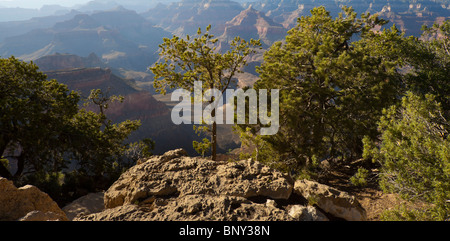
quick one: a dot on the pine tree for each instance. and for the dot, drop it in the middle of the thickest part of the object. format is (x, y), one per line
(332, 88)
(185, 61)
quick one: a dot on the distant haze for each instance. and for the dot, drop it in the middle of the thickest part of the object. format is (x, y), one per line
(35, 4)
(40, 3)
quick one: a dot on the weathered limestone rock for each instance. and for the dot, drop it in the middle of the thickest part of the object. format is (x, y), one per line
(91, 203)
(198, 207)
(309, 213)
(178, 175)
(42, 216)
(337, 203)
(16, 203)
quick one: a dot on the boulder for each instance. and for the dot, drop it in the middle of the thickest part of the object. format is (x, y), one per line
(308, 213)
(42, 216)
(91, 203)
(18, 203)
(176, 174)
(174, 186)
(335, 202)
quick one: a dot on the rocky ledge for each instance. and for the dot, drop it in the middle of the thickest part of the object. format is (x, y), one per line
(174, 186)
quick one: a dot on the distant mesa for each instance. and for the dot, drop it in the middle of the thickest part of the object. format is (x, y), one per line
(59, 61)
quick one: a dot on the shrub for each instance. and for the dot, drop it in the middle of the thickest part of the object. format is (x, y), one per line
(360, 178)
(414, 152)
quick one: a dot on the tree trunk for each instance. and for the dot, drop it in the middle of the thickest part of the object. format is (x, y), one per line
(213, 132)
(4, 172)
(20, 166)
(214, 142)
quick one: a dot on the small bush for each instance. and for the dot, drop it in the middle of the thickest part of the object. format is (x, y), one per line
(360, 179)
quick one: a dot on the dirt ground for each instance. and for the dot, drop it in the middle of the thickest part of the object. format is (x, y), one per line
(371, 197)
(375, 202)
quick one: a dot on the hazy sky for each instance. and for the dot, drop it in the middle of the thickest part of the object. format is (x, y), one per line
(39, 3)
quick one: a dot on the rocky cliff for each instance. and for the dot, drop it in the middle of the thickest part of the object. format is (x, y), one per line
(253, 24)
(59, 61)
(409, 16)
(85, 79)
(186, 16)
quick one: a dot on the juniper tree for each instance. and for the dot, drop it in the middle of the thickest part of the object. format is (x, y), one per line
(186, 60)
(42, 126)
(332, 88)
(431, 64)
(34, 112)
